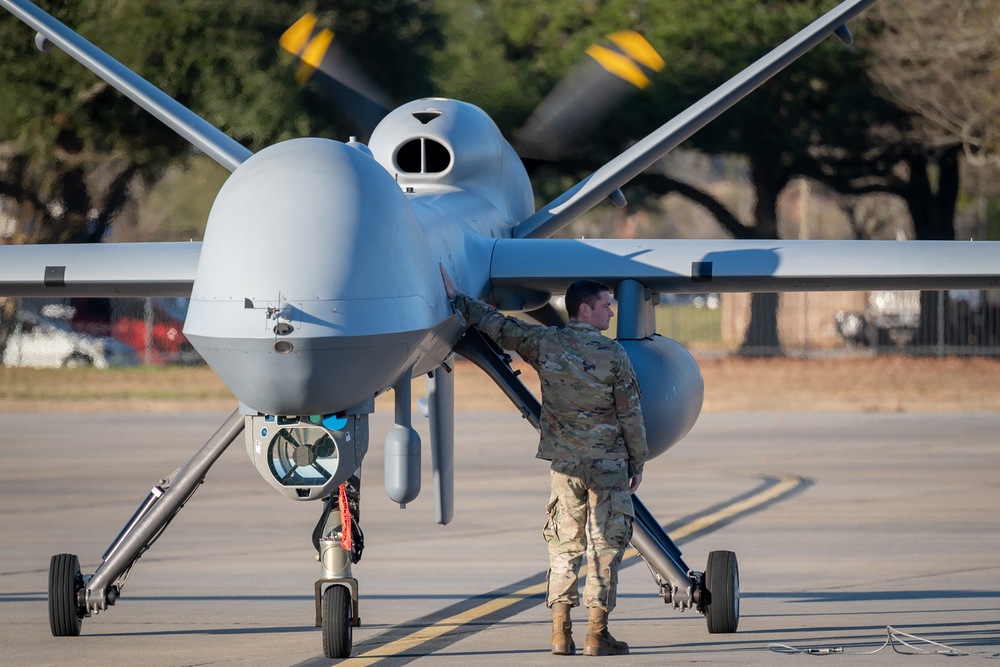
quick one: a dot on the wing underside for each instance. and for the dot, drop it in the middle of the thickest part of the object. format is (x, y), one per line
(98, 269)
(691, 266)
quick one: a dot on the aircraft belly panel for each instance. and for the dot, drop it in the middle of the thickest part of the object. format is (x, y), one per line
(317, 376)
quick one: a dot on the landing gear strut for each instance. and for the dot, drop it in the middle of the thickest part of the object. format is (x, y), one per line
(338, 539)
(714, 593)
(74, 596)
(337, 589)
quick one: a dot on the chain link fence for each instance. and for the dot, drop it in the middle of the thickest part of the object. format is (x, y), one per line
(121, 332)
(47, 333)
(822, 324)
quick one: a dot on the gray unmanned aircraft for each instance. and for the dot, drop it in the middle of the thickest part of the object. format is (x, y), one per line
(316, 288)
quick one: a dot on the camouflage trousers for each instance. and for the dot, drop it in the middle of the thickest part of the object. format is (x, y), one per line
(590, 512)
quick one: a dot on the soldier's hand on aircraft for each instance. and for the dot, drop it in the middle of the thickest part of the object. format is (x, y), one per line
(636, 481)
(450, 288)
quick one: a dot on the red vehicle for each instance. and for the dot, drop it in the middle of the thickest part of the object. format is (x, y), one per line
(151, 327)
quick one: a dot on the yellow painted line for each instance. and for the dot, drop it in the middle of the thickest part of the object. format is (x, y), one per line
(784, 485)
(432, 632)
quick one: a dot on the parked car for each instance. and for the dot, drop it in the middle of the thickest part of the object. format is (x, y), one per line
(123, 320)
(708, 300)
(891, 319)
(38, 341)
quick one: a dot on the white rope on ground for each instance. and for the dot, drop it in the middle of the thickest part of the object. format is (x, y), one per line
(893, 636)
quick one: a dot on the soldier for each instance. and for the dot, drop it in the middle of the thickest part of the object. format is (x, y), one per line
(592, 432)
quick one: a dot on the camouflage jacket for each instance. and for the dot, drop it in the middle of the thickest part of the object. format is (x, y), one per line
(590, 396)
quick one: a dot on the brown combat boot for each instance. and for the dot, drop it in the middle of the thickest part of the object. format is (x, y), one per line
(599, 640)
(562, 626)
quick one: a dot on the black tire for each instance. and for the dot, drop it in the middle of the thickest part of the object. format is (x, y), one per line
(338, 626)
(722, 583)
(78, 360)
(65, 581)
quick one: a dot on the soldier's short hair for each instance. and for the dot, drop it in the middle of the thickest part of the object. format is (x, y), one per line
(583, 292)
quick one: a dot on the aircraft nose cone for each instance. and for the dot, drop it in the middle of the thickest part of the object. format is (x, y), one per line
(313, 282)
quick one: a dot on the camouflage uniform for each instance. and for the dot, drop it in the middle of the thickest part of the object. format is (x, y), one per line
(592, 432)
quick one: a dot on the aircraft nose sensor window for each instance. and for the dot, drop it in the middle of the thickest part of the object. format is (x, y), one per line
(423, 156)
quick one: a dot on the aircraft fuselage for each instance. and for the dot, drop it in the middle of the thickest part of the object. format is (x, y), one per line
(318, 288)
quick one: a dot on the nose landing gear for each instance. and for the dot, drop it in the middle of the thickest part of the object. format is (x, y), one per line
(337, 589)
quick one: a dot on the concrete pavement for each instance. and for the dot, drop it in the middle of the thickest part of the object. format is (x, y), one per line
(843, 524)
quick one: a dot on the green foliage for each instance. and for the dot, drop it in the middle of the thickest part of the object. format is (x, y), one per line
(78, 144)
(72, 144)
(689, 325)
(993, 219)
(177, 207)
(814, 119)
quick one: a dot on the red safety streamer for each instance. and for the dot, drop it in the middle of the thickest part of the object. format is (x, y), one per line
(345, 519)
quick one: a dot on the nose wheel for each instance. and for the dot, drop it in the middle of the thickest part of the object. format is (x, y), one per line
(722, 590)
(65, 584)
(338, 622)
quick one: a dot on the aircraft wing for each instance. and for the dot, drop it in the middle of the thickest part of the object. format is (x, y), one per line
(98, 269)
(690, 266)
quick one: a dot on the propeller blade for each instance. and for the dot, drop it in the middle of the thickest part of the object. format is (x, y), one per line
(593, 87)
(341, 78)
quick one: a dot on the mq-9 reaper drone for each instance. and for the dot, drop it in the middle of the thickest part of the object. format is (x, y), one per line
(316, 288)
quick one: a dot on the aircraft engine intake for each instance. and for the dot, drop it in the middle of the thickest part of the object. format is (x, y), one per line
(672, 389)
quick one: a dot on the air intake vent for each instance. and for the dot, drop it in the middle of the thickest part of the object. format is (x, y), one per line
(426, 116)
(423, 156)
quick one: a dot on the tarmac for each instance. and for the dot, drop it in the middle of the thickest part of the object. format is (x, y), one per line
(844, 525)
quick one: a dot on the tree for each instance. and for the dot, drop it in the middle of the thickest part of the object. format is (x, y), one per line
(824, 118)
(940, 60)
(817, 119)
(74, 151)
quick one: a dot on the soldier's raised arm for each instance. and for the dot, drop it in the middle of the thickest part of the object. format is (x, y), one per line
(508, 332)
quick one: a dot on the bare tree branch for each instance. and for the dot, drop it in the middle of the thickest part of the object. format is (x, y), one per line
(941, 60)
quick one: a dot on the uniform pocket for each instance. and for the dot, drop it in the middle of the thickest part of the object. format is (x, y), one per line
(549, 532)
(614, 521)
(621, 503)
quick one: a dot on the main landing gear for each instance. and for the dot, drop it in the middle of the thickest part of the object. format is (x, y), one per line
(722, 589)
(74, 596)
(714, 592)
